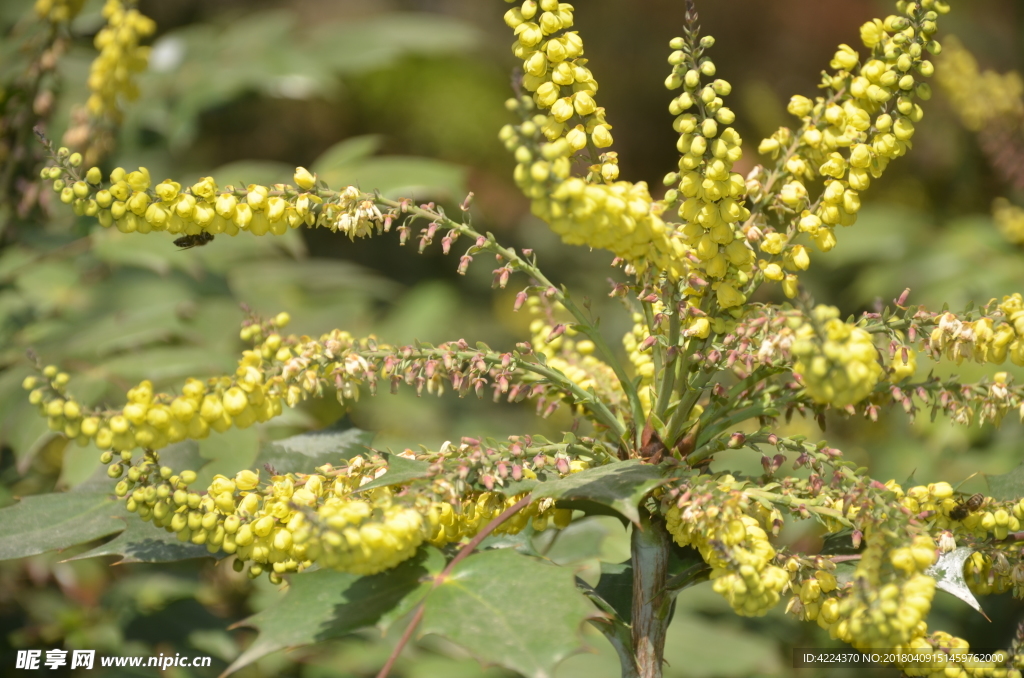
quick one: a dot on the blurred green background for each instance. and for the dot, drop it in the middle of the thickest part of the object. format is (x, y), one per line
(407, 97)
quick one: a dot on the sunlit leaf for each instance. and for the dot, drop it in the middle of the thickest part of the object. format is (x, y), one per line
(1008, 486)
(327, 604)
(620, 486)
(304, 452)
(400, 470)
(489, 606)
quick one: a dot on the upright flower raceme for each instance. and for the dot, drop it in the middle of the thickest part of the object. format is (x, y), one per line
(597, 211)
(709, 194)
(837, 361)
(848, 137)
(121, 57)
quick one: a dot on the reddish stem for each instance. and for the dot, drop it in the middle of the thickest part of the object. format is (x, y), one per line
(461, 555)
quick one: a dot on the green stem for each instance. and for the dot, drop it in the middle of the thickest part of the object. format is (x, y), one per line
(668, 380)
(652, 603)
(584, 323)
(596, 406)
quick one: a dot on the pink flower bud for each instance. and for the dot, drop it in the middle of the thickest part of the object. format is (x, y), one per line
(558, 331)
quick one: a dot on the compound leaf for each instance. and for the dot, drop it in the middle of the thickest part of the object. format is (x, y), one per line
(489, 606)
(400, 470)
(1008, 485)
(620, 486)
(304, 452)
(327, 604)
(141, 542)
(49, 522)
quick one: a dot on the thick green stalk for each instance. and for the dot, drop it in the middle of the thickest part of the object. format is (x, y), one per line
(652, 602)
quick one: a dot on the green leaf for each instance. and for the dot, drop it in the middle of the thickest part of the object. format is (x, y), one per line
(620, 486)
(49, 522)
(374, 42)
(304, 452)
(1008, 486)
(489, 606)
(400, 470)
(142, 542)
(59, 520)
(327, 604)
(347, 152)
(401, 176)
(616, 588)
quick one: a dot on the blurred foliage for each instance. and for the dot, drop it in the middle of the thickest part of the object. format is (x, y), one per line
(406, 96)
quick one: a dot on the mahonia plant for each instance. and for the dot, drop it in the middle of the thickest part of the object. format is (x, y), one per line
(707, 368)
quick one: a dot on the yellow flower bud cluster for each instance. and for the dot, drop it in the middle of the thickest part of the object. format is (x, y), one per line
(453, 522)
(986, 340)
(153, 420)
(58, 11)
(837, 362)
(1009, 219)
(891, 595)
(599, 211)
(989, 519)
(978, 97)
(620, 217)
(121, 57)
(793, 258)
(640, 357)
(710, 191)
(812, 599)
(556, 74)
(736, 547)
(850, 137)
(941, 643)
(570, 354)
(132, 203)
(296, 520)
(982, 578)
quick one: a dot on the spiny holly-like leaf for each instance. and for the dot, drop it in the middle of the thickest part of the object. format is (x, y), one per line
(141, 542)
(327, 604)
(948, 573)
(304, 452)
(489, 606)
(400, 470)
(48, 522)
(616, 588)
(1007, 486)
(620, 485)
